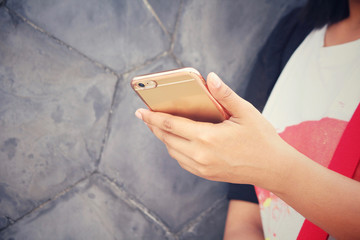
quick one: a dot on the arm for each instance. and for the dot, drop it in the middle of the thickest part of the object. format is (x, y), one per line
(243, 221)
(326, 198)
(247, 149)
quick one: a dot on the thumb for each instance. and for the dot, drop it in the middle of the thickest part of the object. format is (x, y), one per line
(226, 96)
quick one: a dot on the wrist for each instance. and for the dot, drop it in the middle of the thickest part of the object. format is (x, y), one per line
(282, 167)
(295, 165)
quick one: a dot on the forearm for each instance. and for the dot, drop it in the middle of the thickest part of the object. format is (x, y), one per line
(247, 149)
(243, 221)
(244, 232)
(324, 197)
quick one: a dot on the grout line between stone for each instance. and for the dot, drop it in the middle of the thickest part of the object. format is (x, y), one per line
(112, 108)
(100, 65)
(119, 77)
(126, 196)
(172, 44)
(148, 62)
(106, 69)
(2, 3)
(132, 201)
(109, 122)
(10, 221)
(62, 43)
(177, 60)
(152, 11)
(56, 196)
(192, 223)
(173, 37)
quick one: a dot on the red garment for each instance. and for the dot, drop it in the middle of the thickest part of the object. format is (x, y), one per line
(345, 161)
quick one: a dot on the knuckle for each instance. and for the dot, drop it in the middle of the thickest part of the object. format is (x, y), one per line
(206, 137)
(182, 165)
(201, 157)
(151, 128)
(204, 172)
(159, 134)
(171, 153)
(197, 156)
(227, 93)
(148, 120)
(164, 138)
(167, 124)
(249, 106)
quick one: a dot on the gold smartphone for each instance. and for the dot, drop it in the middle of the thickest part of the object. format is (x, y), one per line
(181, 92)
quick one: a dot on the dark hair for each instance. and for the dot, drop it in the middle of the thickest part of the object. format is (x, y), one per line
(318, 13)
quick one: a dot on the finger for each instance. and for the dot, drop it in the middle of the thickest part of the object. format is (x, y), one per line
(173, 141)
(179, 126)
(185, 162)
(232, 102)
(179, 149)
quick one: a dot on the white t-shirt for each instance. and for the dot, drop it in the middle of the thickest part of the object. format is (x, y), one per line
(310, 106)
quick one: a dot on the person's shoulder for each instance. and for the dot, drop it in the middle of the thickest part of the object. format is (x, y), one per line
(281, 43)
(292, 17)
(288, 33)
(287, 24)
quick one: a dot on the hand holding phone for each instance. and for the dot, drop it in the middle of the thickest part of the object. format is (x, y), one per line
(180, 92)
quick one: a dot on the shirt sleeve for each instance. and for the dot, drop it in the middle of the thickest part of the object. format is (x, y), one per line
(245, 192)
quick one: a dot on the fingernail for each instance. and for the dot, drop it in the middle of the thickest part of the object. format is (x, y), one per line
(215, 80)
(138, 114)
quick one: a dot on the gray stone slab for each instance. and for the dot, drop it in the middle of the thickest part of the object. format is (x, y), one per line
(211, 226)
(118, 33)
(139, 162)
(224, 36)
(54, 107)
(167, 11)
(95, 209)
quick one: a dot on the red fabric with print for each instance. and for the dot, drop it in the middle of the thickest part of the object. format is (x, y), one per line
(346, 162)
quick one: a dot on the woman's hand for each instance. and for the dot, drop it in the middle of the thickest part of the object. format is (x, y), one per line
(247, 149)
(243, 149)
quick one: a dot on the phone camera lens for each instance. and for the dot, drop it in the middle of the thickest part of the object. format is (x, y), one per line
(141, 85)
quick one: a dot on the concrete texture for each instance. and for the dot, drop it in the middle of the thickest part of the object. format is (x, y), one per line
(74, 161)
